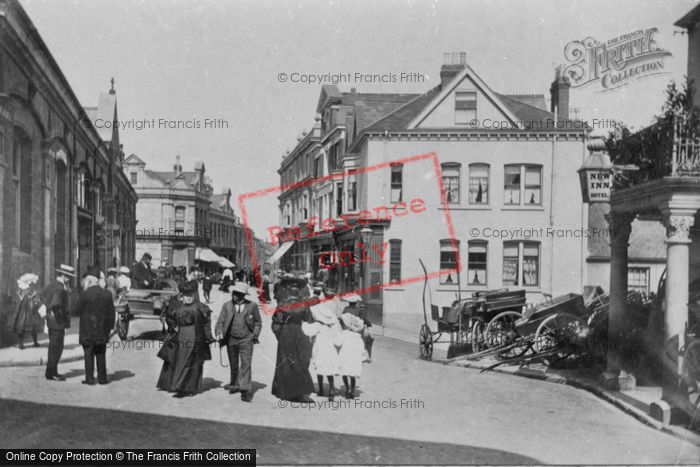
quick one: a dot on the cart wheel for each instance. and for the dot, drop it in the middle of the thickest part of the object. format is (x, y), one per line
(478, 343)
(563, 334)
(691, 370)
(501, 332)
(123, 325)
(426, 343)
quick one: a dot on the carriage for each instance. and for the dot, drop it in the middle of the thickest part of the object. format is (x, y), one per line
(473, 324)
(143, 304)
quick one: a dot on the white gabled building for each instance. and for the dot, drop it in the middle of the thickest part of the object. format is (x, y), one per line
(509, 169)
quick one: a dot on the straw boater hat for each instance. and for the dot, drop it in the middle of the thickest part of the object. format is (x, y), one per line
(66, 270)
(124, 270)
(352, 322)
(240, 287)
(352, 298)
(26, 280)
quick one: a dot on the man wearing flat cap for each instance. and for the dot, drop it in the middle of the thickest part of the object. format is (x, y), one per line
(55, 296)
(238, 329)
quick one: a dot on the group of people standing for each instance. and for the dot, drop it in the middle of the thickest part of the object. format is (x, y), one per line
(50, 311)
(321, 333)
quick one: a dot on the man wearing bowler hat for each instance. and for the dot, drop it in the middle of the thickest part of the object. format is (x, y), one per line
(142, 276)
(238, 328)
(55, 297)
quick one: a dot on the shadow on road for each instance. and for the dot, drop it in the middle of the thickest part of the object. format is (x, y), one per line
(65, 427)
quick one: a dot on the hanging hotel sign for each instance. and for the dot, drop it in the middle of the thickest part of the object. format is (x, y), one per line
(597, 185)
(616, 62)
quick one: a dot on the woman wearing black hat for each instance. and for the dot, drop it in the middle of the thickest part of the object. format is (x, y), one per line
(185, 351)
(292, 380)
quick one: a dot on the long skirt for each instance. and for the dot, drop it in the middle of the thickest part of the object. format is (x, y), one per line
(292, 378)
(185, 374)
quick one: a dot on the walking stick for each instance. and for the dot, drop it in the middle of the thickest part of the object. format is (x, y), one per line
(221, 355)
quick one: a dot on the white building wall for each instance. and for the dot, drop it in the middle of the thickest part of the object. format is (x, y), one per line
(561, 266)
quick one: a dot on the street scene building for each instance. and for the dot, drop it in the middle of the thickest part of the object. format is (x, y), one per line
(181, 220)
(495, 250)
(486, 169)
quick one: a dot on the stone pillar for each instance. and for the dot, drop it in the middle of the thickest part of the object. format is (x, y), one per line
(3, 284)
(620, 224)
(49, 210)
(678, 241)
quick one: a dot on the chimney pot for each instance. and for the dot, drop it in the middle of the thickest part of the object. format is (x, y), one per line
(455, 58)
(446, 58)
(462, 58)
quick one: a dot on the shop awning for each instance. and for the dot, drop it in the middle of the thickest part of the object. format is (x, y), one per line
(205, 254)
(280, 252)
(225, 262)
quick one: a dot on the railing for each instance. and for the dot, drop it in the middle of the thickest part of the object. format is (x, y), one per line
(686, 149)
(661, 150)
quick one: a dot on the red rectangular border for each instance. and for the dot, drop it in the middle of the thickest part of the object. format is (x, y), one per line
(340, 176)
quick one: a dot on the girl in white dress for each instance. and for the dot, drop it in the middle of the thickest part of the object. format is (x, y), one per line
(324, 354)
(351, 353)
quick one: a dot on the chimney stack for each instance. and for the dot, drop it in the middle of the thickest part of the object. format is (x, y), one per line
(560, 94)
(453, 64)
(177, 168)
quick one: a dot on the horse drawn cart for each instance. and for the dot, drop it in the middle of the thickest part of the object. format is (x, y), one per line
(473, 324)
(142, 304)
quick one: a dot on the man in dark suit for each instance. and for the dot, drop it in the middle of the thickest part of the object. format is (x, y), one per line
(55, 297)
(96, 310)
(142, 277)
(238, 328)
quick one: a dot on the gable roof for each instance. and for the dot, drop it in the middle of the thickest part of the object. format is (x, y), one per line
(134, 159)
(444, 92)
(689, 19)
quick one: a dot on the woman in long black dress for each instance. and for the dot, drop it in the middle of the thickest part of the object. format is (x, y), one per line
(185, 352)
(292, 379)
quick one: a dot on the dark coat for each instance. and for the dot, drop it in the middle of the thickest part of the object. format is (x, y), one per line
(140, 274)
(252, 318)
(55, 297)
(96, 310)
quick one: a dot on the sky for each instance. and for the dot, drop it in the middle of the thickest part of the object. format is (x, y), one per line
(187, 61)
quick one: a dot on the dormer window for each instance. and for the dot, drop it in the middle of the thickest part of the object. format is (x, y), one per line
(465, 107)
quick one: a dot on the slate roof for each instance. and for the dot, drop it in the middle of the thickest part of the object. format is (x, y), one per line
(371, 107)
(402, 116)
(524, 111)
(168, 178)
(535, 100)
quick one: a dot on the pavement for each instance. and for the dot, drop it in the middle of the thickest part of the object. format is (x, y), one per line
(408, 411)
